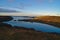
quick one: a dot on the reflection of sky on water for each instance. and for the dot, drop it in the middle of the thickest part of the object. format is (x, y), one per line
(36, 26)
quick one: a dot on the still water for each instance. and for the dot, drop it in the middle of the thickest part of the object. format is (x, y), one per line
(36, 26)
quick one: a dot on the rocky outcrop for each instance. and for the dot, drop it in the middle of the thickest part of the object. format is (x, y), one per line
(5, 18)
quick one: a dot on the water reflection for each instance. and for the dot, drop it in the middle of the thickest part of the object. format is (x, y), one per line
(36, 26)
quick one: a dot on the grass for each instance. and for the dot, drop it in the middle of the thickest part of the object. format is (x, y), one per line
(50, 20)
(8, 32)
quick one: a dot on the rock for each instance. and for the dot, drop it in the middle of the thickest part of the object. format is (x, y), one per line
(5, 18)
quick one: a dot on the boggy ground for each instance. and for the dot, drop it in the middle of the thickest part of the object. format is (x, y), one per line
(7, 32)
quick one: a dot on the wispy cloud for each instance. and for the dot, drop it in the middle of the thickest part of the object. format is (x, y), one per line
(11, 9)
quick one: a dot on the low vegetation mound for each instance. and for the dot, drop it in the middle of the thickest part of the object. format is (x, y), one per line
(51, 20)
(48, 18)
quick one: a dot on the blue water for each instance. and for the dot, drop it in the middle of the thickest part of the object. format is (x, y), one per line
(36, 26)
(20, 18)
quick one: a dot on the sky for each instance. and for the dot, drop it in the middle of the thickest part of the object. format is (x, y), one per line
(32, 7)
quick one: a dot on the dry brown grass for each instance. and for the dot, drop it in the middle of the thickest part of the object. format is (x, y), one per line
(13, 33)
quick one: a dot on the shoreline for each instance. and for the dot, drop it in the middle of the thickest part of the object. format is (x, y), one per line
(7, 32)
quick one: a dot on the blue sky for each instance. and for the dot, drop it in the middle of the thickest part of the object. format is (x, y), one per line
(38, 7)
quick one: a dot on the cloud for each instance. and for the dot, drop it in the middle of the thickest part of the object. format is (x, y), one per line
(6, 9)
(46, 13)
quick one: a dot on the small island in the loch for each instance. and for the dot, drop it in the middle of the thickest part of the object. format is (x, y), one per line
(8, 32)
